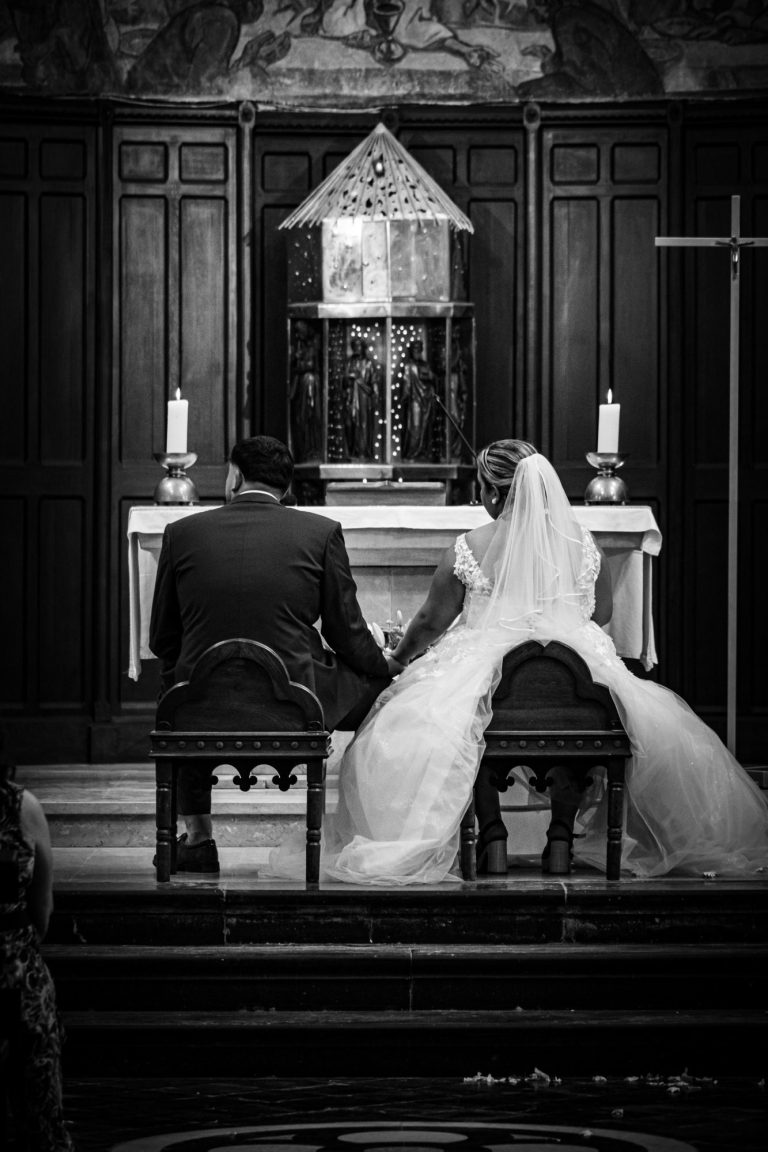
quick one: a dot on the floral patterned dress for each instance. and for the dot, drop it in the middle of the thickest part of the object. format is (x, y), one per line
(35, 1061)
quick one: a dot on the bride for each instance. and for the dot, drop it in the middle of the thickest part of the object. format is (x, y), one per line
(407, 777)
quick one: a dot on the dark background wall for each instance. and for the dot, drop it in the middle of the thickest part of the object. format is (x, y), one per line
(141, 253)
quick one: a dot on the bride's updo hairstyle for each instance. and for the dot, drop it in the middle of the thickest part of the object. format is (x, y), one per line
(497, 462)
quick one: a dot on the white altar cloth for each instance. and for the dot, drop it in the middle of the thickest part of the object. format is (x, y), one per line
(389, 541)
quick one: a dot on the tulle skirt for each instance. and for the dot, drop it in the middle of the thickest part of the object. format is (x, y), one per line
(406, 779)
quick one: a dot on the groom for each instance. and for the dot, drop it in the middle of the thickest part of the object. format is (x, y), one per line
(259, 570)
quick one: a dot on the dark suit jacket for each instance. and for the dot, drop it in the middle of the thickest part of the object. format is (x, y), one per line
(257, 570)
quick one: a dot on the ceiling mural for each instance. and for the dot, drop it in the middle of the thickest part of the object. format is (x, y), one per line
(358, 53)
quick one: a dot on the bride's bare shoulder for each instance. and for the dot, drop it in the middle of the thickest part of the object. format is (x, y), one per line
(478, 539)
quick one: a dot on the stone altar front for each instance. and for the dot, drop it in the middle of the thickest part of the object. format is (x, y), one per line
(393, 551)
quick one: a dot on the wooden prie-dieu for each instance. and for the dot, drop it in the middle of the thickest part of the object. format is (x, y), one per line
(239, 708)
(549, 712)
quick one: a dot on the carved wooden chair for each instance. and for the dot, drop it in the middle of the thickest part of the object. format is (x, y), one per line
(549, 712)
(239, 708)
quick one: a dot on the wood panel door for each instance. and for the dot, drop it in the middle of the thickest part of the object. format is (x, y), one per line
(47, 237)
(604, 202)
(482, 168)
(604, 190)
(719, 163)
(175, 325)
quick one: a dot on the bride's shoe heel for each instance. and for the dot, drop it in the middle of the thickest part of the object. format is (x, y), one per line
(557, 857)
(496, 858)
(559, 860)
(492, 853)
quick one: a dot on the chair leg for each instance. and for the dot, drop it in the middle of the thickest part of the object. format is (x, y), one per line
(616, 773)
(315, 804)
(467, 859)
(174, 815)
(164, 818)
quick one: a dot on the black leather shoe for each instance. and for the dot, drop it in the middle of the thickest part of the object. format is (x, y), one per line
(201, 858)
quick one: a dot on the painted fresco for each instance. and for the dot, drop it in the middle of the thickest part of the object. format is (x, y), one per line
(359, 53)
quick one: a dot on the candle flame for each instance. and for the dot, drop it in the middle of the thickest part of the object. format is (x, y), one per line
(610, 396)
(178, 394)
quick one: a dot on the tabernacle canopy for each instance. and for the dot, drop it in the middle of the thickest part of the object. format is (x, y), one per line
(379, 180)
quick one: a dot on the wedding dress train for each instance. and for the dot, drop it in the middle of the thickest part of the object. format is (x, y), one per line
(407, 776)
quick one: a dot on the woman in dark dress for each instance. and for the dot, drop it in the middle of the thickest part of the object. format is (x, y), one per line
(34, 1057)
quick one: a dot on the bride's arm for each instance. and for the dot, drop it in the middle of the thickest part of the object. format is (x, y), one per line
(443, 604)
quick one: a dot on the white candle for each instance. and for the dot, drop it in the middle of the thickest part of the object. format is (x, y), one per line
(608, 426)
(176, 436)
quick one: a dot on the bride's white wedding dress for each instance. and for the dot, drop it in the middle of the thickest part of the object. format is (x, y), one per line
(406, 778)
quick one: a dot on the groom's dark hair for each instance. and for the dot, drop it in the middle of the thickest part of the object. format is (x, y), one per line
(264, 459)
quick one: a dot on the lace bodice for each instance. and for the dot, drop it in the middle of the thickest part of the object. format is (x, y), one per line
(468, 571)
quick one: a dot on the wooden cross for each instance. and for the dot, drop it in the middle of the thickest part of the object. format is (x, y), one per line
(734, 243)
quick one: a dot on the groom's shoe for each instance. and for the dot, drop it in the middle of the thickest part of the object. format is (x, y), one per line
(202, 858)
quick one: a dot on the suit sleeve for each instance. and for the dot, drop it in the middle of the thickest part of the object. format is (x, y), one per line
(165, 621)
(341, 621)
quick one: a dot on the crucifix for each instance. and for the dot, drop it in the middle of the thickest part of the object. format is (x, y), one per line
(734, 243)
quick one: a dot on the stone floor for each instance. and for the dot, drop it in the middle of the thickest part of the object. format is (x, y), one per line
(242, 866)
(706, 1115)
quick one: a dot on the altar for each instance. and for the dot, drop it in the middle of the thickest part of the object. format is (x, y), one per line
(394, 550)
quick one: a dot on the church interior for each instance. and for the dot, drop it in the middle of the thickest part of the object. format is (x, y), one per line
(564, 216)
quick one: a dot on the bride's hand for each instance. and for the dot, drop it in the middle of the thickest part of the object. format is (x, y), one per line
(394, 667)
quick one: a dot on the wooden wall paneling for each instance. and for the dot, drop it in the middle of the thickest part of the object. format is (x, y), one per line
(104, 654)
(634, 329)
(63, 603)
(13, 607)
(482, 169)
(143, 349)
(13, 309)
(47, 230)
(723, 160)
(62, 307)
(175, 325)
(755, 418)
(573, 362)
(604, 195)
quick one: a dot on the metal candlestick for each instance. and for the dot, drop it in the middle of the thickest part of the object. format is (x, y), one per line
(606, 487)
(176, 487)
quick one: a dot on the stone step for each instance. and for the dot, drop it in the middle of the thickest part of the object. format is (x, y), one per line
(397, 977)
(532, 910)
(113, 805)
(413, 1043)
(90, 805)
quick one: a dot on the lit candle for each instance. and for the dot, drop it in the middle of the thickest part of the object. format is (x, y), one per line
(608, 426)
(176, 436)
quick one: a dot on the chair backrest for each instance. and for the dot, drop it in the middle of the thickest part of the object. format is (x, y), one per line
(240, 685)
(549, 687)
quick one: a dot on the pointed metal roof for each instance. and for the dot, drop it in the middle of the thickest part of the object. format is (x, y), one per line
(379, 180)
